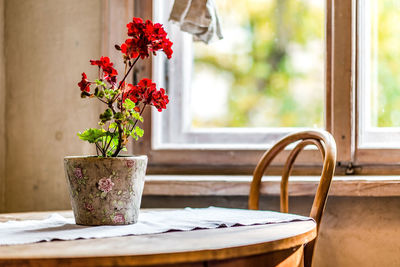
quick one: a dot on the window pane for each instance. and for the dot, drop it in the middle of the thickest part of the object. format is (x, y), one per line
(384, 78)
(378, 74)
(268, 71)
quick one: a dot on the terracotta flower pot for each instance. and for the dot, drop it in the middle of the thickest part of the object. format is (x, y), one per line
(105, 191)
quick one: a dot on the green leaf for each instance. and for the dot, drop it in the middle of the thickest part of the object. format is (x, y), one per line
(137, 116)
(112, 125)
(118, 116)
(113, 93)
(106, 116)
(136, 133)
(139, 131)
(101, 94)
(92, 135)
(101, 83)
(110, 93)
(129, 104)
(113, 145)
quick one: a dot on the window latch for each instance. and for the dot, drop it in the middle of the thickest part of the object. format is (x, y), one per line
(350, 169)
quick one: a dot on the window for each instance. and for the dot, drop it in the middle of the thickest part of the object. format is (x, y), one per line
(328, 65)
(378, 91)
(252, 87)
(379, 74)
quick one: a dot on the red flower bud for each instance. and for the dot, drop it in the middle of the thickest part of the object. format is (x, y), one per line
(84, 84)
(109, 73)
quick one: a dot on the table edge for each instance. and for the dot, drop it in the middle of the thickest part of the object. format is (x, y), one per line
(169, 258)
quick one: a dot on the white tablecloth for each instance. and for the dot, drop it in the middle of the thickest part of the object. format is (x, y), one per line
(56, 227)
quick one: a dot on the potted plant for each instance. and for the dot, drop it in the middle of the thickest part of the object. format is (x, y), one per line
(106, 189)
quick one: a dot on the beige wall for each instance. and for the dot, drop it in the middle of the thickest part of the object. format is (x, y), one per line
(360, 231)
(48, 44)
(2, 109)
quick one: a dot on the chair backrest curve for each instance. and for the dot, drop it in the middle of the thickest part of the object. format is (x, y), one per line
(327, 146)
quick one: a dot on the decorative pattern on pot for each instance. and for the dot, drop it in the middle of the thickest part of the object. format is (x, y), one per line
(105, 191)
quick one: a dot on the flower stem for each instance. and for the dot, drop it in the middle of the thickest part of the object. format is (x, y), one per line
(120, 130)
(126, 74)
(141, 112)
(119, 146)
(108, 145)
(101, 100)
(98, 149)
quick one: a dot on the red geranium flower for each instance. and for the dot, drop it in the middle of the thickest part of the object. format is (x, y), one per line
(130, 92)
(160, 100)
(135, 27)
(146, 92)
(167, 48)
(146, 37)
(84, 84)
(109, 73)
(142, 92)
(146, 88)
(129, 48)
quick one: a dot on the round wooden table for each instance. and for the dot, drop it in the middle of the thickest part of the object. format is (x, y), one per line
(259, 245)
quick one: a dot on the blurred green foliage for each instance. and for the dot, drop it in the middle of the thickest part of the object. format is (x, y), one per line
(269, 46)
(385, 55)
(273, 58)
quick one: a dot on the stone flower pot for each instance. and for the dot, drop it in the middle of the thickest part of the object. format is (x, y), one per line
(105, 191)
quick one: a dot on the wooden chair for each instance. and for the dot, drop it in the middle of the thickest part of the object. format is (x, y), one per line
(327, 146)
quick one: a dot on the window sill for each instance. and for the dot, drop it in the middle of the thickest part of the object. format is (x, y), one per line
(225, 185)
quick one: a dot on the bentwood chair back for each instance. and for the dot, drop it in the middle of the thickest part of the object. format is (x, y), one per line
(327, 146)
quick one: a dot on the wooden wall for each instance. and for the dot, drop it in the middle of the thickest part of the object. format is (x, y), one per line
(2, 109)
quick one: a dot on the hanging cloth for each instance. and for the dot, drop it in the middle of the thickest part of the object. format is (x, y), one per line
(198, 17)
